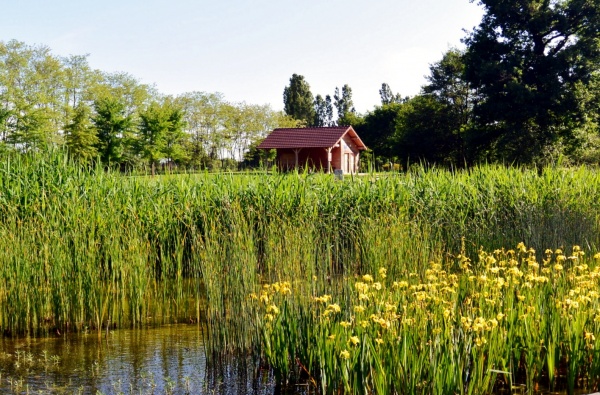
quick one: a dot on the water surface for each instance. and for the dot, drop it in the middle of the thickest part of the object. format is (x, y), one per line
(165, 360)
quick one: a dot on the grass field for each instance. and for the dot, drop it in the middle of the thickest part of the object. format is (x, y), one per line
(88, 249)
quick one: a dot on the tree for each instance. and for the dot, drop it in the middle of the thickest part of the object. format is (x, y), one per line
(175, 138)
(448, 84)
(30, 95)
(387, 96)
(80, 82)
(379, 128)
(525, 59)
(203, 116)
(298, 100)
(424, 133)
(344, 105)
(323, 111)
(80, 137)
(160, 133)
(112, 126)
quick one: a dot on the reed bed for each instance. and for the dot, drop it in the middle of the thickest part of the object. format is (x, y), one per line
(88, 249)
(461, 327)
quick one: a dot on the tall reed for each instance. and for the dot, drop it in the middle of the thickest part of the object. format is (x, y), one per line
(87, 249)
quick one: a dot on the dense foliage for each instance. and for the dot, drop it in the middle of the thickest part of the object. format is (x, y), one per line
(524, 90)
(47, 100)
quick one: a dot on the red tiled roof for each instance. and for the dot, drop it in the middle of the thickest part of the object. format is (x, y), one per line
(309, 137)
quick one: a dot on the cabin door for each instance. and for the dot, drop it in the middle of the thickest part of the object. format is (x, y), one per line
(346, 165)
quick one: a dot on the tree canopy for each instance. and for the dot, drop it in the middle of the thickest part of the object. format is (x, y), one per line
(524, 89)
(46, 100)
(525, 60)
(298, 100)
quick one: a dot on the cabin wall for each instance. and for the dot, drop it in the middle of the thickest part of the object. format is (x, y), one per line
(345, 156)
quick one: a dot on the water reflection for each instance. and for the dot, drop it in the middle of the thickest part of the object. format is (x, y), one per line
(166, 360)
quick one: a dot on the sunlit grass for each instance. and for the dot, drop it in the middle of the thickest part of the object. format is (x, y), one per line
(86, 250)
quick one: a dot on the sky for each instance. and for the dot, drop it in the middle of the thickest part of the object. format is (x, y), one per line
(248, 50)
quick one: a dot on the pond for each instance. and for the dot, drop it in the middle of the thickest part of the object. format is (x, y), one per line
(164, 360)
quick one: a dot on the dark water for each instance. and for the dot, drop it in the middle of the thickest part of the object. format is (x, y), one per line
(166, 360)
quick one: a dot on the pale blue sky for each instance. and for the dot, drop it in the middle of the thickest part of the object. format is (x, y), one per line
(248, 50)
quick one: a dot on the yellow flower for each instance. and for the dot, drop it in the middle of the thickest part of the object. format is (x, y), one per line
(359, 309)
(345, 324)
(273, 309)
(264, 297)
(383, 272)
(379, 341)
(331, 337)
(490, 260)
(275, 287)
(285, 288)
(377, 286)
(589, 336)
(345, 354)
(269, 317)
(361, 287)
(402, 284)
(354, 340)
(597, 255)
(367, 278)
(323, 299)
(558, 267)
(334, 307)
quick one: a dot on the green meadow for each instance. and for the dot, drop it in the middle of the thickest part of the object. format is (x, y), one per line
(431, 281)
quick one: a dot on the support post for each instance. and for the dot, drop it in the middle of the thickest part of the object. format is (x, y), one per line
(328, 159)
(296, 152)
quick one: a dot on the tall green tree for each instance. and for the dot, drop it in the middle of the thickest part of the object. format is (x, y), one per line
(323, 111)
(113, 127)
(448, 84)
(344, 105)
(525, 59)
(203, 119)
(160, 133)
(387, 96)
(298, 101)
(80, 137)
(424, 133)
(30, 93)
(379, 129)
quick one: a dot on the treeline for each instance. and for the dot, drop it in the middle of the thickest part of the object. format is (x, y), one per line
(526, 89)
(112, 117)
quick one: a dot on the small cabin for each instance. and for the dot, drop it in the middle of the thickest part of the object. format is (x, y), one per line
(325, 148)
